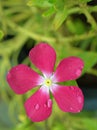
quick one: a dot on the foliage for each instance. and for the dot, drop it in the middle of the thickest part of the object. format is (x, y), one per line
(70, 26)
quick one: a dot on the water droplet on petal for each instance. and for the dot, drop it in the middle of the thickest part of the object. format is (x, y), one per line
(79, 99)
(45, 105)
(82, 66)
(37, 106)
(9, 75)
(49, 103)
(78, 110)
(71, 87)
(16, 68)
(78, 72)
(71, 108)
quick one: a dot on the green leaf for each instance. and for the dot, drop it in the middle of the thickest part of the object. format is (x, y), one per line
(59, 18)
(49, 12)
(90, 59)
(71, 83)
(90, 124)
(59, 5)
(84, 1)
(76, 26)
(39, 3)
(5, 121)
(1, 34)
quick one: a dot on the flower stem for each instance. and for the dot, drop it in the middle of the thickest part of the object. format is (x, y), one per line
(46, 125)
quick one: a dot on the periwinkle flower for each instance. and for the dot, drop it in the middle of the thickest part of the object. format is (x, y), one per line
(22, 78)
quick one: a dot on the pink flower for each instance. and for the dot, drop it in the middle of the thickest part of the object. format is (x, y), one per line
(38, 107)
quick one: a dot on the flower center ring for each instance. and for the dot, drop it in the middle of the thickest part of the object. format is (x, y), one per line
(48, 82)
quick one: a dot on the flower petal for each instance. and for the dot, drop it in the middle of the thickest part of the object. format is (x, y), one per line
(43, 56)
(21, 78)
(68, 98)
(39, 105)
(69, 69)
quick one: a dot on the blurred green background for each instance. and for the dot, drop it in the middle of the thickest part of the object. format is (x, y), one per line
(70, 26)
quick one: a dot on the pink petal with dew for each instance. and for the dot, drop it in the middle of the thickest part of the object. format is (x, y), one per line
(68, 98)
(43, 56)
(21, 78)
(69, 69)
(39, 106)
